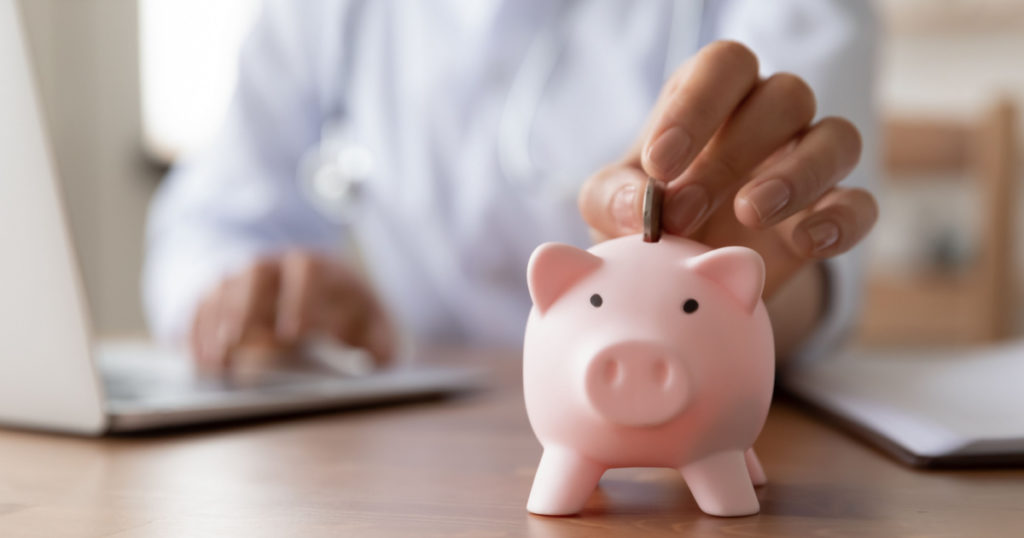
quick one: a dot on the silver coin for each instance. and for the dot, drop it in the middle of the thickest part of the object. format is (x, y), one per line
(654, 195)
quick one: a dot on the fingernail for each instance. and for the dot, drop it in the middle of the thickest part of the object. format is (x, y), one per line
(769, 198)
(823, 235)
(667, 151)
(380, 340)
(235, 333)
(624, 208)
(220, 347)
(685, 209)
(287, 327)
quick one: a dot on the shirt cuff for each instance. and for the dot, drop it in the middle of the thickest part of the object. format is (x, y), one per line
(843, 293)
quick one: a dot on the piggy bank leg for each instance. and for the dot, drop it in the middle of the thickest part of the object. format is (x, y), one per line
(757, 475)
(720, 483)
(563, 483)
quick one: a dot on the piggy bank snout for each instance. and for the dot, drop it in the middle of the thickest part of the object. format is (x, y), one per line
(637, 384)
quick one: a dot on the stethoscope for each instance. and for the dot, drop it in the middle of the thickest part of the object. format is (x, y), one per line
(333, 175)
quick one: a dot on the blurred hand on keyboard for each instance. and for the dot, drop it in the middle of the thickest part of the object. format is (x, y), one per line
(277, 302)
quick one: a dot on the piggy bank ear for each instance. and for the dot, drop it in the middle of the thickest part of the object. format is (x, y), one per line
(738, 270)
(554, 268)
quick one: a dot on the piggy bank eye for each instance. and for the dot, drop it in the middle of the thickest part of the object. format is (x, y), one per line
(596, 300)
(690, 306)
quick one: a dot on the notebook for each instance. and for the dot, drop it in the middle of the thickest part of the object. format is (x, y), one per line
(953, 407)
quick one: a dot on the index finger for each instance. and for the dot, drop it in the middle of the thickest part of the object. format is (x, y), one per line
(698, 99)
(300, 280)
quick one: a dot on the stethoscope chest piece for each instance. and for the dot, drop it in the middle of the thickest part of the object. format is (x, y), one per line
(334, 176)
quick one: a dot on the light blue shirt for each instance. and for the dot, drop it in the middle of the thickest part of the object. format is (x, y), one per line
(464, 130)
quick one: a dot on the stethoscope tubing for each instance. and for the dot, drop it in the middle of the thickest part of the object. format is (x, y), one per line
(526, 92)
(334, 187)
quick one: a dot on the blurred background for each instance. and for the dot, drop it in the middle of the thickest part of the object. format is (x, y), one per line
(129, 84)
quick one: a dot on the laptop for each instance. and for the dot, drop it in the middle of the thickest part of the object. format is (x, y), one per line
(53, 374)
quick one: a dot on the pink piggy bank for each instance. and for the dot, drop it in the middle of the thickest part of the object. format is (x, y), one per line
(647, 355)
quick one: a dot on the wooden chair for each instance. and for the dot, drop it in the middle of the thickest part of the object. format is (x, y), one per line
(969, 306)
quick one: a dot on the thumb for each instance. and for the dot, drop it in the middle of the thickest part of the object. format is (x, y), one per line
(611, 201)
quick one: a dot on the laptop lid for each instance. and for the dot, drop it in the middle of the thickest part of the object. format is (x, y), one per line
(47, 378)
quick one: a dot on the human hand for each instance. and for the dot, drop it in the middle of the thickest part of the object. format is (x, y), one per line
(743, 165)
(279, 300)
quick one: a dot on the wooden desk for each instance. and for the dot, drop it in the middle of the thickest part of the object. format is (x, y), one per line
(461, 467)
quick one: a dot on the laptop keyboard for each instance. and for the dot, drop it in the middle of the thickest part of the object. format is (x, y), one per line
(137, 384)
(155, 374)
